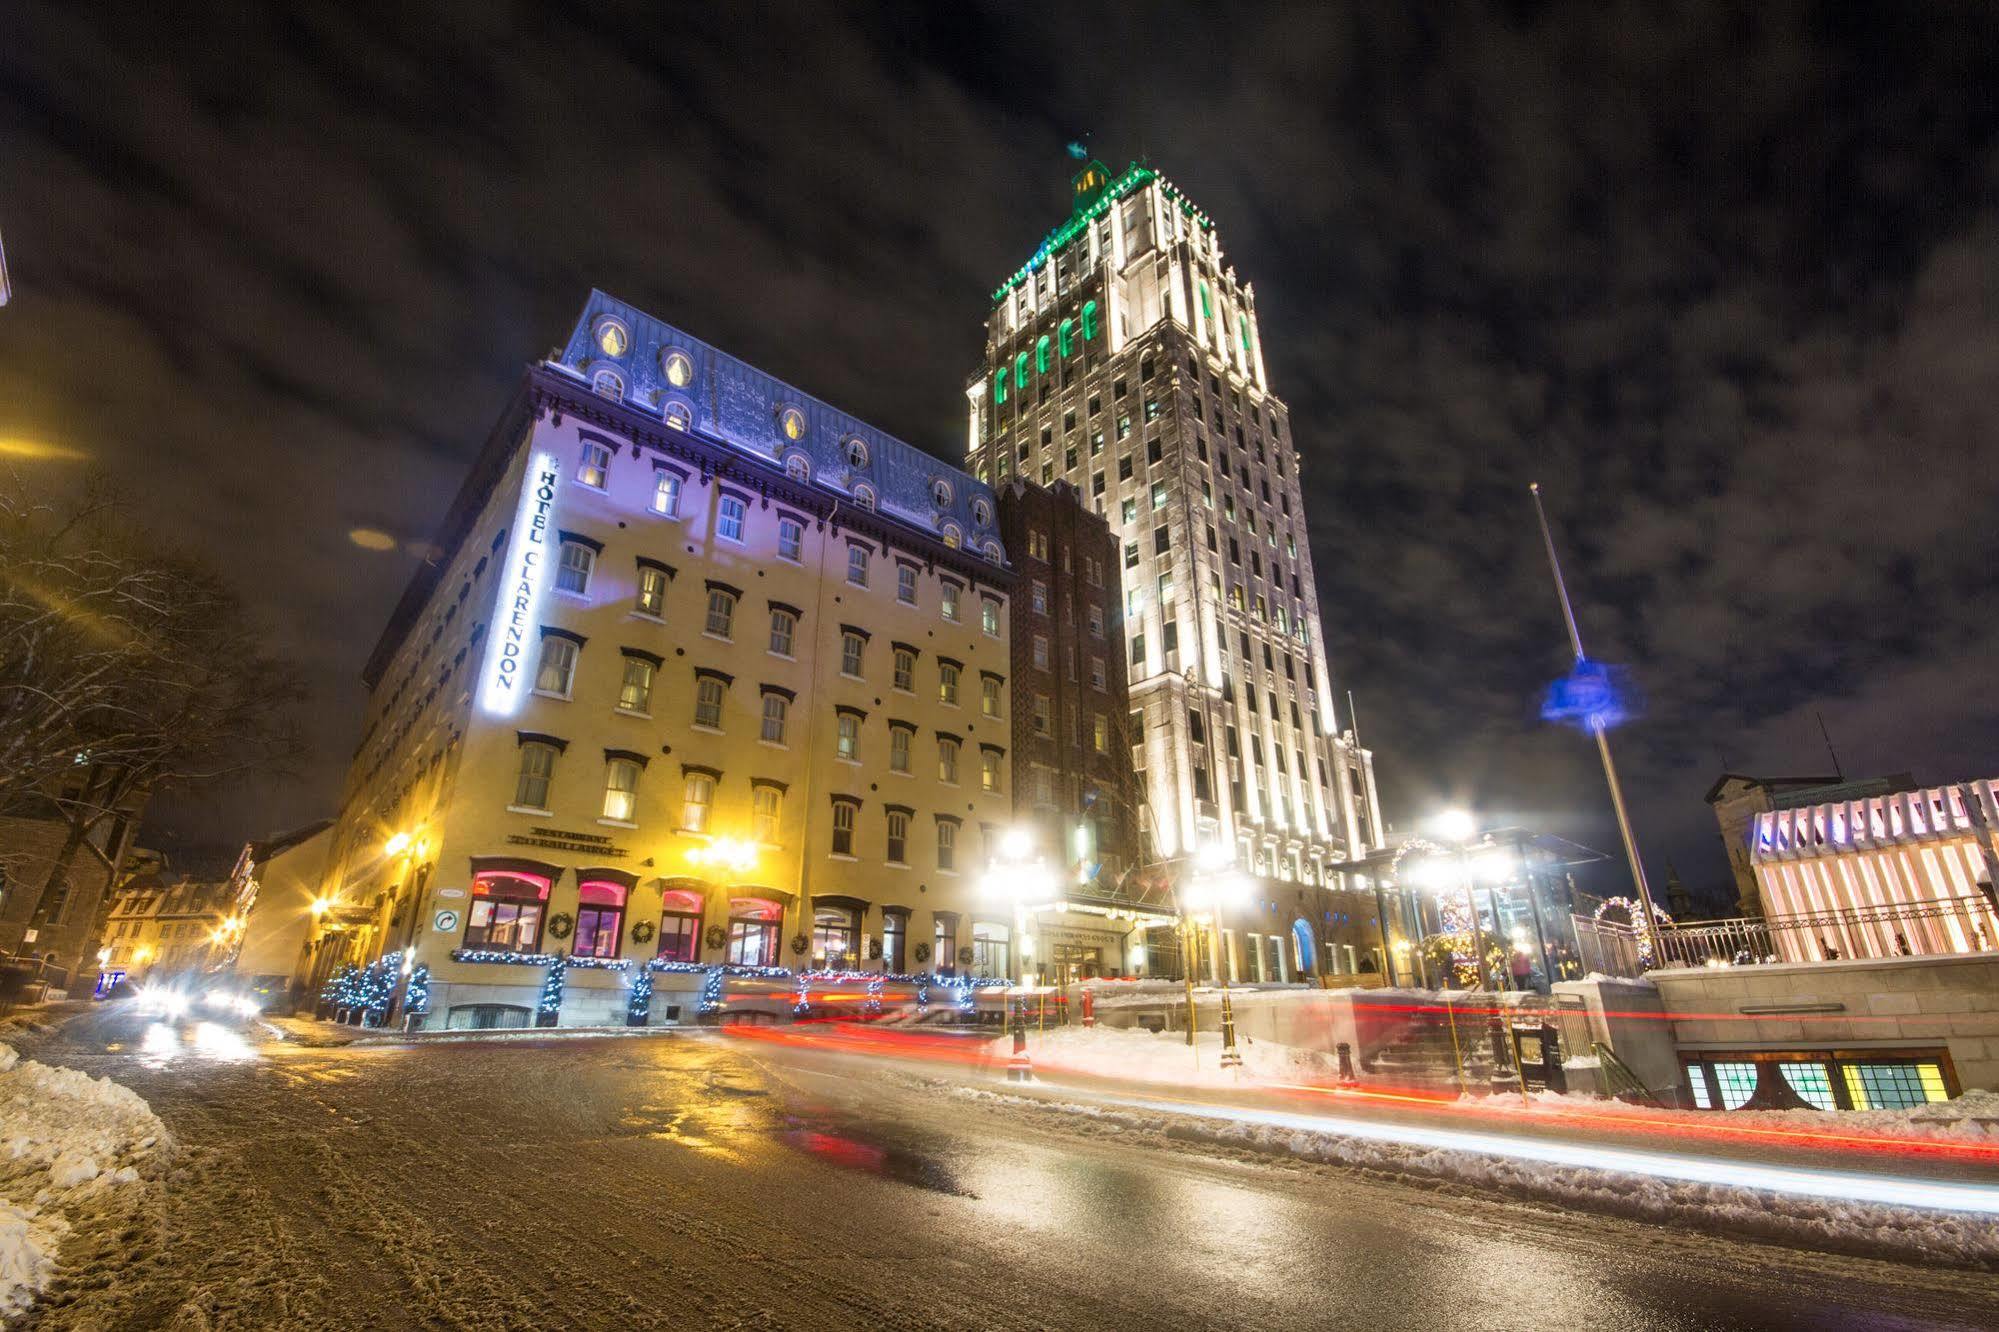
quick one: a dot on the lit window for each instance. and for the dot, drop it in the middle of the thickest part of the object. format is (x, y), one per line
(950, 601)
(947, 682)
(1101, 733)
(766, 810)
(777, 710)
(708, 702)
(905, 584)
(947, 760)
(952, 536)
(558, 665)
(666, 494)
(783, 631)
(679, 370)
(652, 591)
(989, 770)
(857, 565)
(898, 748)
(989, 696)
(721, 612)
(847, 744)
(600, 919)
(898, 837)
(678, 416)
(635, 692)
(698, 798)
(843, 826)
(537, 770)
(621, 790)
(851, 647)
(793, 422)
(790, 539)
(1097, 621)
(574, 573)
(612, 339)
(990, 617)
(595, 467)
(1040, 597)
(905, 670)
(729, 520)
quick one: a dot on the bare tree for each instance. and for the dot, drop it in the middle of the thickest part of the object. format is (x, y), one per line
(126, 667)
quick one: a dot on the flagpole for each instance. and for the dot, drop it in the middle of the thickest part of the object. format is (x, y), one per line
(1650, 923)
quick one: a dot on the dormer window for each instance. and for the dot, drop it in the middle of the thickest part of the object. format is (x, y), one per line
(940, 493)
(982, 513)
(952, 536)
(865, 497)
(679, 370)
(609, 384)
(798, 467)
(612, 338)
(792, 422)
(678, 416)
(857, 453)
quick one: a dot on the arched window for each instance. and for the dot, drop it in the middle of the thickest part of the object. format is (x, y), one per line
(600, 919)
(1020, 371)
(680, 925)
(505, 915)
(798, 468)
(678, 416)
(1041, 355)
(1065, 334)
(999, 386)
(835, 939)
(1089, 321)
(993, 552)
(952, 536)
(609, 384)
(753, 926)
(857, 453)
(864, 496)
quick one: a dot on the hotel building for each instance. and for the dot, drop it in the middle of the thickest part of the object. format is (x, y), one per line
(1125, 359)
(704, 670)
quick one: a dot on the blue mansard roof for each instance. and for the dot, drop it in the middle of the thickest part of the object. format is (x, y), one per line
(733, 401)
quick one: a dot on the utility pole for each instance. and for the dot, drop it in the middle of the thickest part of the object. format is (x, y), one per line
(1651, 922)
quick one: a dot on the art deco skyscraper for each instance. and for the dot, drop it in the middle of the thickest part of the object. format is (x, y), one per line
(1125, 358)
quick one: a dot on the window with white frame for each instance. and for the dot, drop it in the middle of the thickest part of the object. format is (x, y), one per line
(989, 695)
(950, 600)
(777, 711)
(594, 468)
(557, 671)
(898, 837)
(783, 631)
(947, 845)
(1040, 597)
(666, 493)
(697, 799)
(899, 738)
(989, 770)
(790, 539)
(947, 760)
(708, 702)
(729, 518)
(1100, 732)
(573, 574)
(721, 612)
(766, 812)
(947, 682)
(851, 647)
(844, 812)
(857, 564)
(652, 591)
(1041, 652)
(621, 789)
(847, 737)
(536, 775)
(905, 584)
(635, 690)
(905, 670)
(989, 617)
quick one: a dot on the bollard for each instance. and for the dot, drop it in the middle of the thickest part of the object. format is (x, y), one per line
(1089, 1008)
(1018, 1069)
(1231, 1057)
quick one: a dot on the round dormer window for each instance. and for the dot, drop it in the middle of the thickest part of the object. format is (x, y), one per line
(679, 370)
(982, 513)
(613, 339)
(792, 422)
(940, 493)
(857, 453)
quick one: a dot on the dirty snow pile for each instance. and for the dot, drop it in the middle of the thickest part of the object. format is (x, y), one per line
(1142, 1056)
(67, 1140)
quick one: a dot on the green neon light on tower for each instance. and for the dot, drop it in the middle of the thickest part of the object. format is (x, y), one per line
(1089, 321)
(1020, 372)
(1065, 336)
(999, 386)
(1041, 355)
(1207, 310)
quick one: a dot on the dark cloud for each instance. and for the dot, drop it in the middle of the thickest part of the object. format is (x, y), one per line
(1725, 280)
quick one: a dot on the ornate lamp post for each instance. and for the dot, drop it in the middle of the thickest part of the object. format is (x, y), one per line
(1017, 875)
(1213, 886)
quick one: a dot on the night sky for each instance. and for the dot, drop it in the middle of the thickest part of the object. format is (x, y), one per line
(1726, 281)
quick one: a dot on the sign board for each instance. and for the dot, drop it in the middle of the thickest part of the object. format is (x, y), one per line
(451, 892)
(445, 922)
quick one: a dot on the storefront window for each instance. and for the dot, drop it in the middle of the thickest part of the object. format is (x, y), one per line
(835, 938)
(753, 926)
(600, 918)
(680, 926)
(506, 913)
(989, 950)
(895, 942)
(945, 955)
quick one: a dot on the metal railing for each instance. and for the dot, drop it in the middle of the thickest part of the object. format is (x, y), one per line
(1926, 929)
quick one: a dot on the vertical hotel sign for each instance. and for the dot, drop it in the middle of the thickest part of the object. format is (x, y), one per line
(526, 572)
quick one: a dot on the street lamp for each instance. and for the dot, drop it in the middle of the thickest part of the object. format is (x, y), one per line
(1017, 875)
(1212, 886)
(1454, 869)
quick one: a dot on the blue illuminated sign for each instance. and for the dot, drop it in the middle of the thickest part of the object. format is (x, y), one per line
(1592, 697)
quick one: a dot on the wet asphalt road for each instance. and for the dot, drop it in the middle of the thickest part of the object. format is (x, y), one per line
(705, 1181)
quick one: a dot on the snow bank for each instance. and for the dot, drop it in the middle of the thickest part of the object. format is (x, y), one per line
(65, 1139)
(1142, 1056)
(1975, 1114)
(1957, 1238)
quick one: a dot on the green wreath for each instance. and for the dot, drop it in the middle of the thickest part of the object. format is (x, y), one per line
(560, 924)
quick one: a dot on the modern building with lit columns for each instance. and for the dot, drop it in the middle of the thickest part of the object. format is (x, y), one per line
(705, 671)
